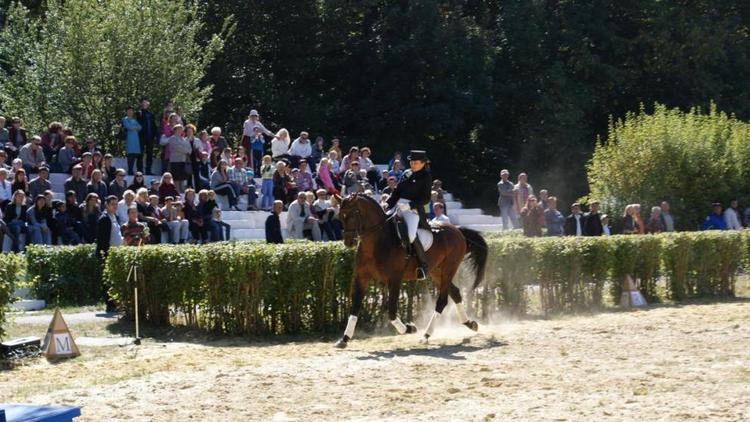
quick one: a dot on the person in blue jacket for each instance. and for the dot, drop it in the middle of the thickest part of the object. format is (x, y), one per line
(714, 221)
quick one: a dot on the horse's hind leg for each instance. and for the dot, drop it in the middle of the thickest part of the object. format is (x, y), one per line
(394, 291)
(455, 294)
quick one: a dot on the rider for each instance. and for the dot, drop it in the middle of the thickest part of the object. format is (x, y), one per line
(415, 186)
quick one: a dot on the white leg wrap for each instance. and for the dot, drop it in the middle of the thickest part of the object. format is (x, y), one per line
(350, 326)
(400, 327)
(461, 312)
(431, 324)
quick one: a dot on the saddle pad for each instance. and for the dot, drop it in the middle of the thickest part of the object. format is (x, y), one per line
(426, 237)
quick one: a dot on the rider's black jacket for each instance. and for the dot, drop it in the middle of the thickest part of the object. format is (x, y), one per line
(416, 187)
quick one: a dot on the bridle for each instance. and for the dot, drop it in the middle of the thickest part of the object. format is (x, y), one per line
(361, 231)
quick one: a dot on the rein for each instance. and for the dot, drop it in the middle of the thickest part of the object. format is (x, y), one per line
(360, 231)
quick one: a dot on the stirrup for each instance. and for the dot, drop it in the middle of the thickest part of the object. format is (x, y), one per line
(421, 273)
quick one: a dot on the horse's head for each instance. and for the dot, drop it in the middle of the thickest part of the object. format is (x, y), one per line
(361, 215)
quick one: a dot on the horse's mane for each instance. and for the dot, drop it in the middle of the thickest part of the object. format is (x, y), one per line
(372, 200)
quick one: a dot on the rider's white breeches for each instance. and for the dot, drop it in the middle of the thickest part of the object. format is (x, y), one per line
(412, 222)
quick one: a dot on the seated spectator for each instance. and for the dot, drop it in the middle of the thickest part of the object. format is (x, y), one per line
(179, 228)
(353, 179)
(154, 189)
(119, 185)
(220, 184)
(97, 186)
(4, 134)
(365, 163)
(89, 213)
(133, 232)
(325, 214)
(92, 147)
(396, 170)
(204, 172)
(592, 222)
(714, 221)
(127, 201)
(217, 141)
(347, 161)
(654, 224)
(437, 186)
(241, 179)
(138, 182)
(280, 145)
(36, 218)
(532, 217)
(303, 178)
(606, 231)
(146, 215)
(574, 222)
(440, 218)
(392, 181)
(282, 183)
(15, 217)
(32, 156)
(195, 220)
(206, 206)
(167, 188)
(326, 177)
(87, 166)
(108, 170)
(632, 223)
(553, 218)
(267, 170)
(40, 184)
(336, 147)
(6, 192)
(77, 184)
(52, 140)
(544, 195)
(300, 149)
(3, 160)
(66, 225)
(224, 227)
(273, 224)
(318, 153)
(20, 182)
(334, 162)
(300, 218)
(15, 166)
(732, 216)
(396, 157)
(66, 157)
(17, 137)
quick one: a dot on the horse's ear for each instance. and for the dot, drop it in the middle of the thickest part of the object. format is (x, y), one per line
(338, 197)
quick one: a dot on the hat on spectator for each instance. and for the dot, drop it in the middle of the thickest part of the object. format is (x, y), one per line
(355, 163)
(43, 168)
(86, 154)
(56, 203)
(154, 181)
(254, 113)
(295, 170)
(303, 161)
(417, 155)
(77, 167)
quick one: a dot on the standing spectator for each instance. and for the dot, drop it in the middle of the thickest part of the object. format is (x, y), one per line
(267, 171)
(108, 170)
(440, 218)
(220, 184)
(66, 157)
(654, 224)
(108, 228)
(543, 196)
(217, 141)
(300, 218)
(4, 134)
(6, 192)
(17, 137)
(77, 184)
(40, 184)
(15, 217)
(138, 182)
(273, 224)
(553, 218)
(20, 182)
(32, 156)
(257, 148)
(505, 200)
(149, 133)
(280, 145)
(714, 221)
(66, 225)
(89, 215)
(532, 217)
(179, 228)
(521, 192)
(732, 216)
(606, 231)
(87, 166)
(36, 218)
(318, 152)
(592, 221)
(325, 214)
(638, 220)
(632, 223)
(179, 155)
(96, 185)
(252, 125)
(132, 141)
(666, 217)
(300, 149)
(574, 223)
(325, 176)
(133, 232)
(243, 183)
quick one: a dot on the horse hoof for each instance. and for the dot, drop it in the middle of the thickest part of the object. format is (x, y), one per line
(341, 344)
(472, 325)
(411, 328)
(425, 339)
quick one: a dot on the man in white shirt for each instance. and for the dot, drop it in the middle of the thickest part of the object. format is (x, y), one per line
(440, 217)
(732, 216)
(573, 223)
(300, 149)
(300, 217)
(5, 186)
(666, 217)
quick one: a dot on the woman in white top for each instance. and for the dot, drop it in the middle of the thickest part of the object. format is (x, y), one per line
(5, 191)
(128, 200)
(280, 144)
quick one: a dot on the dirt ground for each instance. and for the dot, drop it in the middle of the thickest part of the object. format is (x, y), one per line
(665, 363)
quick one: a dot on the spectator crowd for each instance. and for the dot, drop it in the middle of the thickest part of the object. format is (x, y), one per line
(200, 168)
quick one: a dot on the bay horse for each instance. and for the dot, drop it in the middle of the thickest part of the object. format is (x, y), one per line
(381, 257)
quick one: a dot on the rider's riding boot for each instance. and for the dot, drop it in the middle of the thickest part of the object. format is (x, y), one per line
(421, 260)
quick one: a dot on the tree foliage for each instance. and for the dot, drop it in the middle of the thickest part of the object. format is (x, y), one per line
(83, 62)
(687, 158)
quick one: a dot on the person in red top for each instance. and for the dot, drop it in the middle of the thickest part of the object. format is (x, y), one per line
(167, 188)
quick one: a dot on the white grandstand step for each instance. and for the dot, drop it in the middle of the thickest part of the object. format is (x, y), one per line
(464, 211)
(465, 220)
(486, 228)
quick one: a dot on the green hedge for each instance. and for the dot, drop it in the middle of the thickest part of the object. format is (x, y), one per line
(253, 288)
(65, 275)
(11, 266)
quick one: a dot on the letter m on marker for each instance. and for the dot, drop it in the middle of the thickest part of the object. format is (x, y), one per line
(62, 344)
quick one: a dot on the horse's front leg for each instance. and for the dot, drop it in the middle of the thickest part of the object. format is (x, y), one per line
(358, 291)
(394, 291)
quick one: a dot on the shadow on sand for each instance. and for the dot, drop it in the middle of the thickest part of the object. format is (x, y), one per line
(439, 351)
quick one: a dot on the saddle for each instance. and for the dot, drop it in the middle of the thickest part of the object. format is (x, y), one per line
(402, 233)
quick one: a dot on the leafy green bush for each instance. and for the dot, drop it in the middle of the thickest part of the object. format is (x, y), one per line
(11, 265)
(65, 275)
(687, 158)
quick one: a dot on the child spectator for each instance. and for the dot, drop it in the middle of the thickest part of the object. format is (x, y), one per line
(66, 225)
(267, 171)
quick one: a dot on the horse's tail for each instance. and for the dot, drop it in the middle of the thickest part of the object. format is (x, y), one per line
(476, 253)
